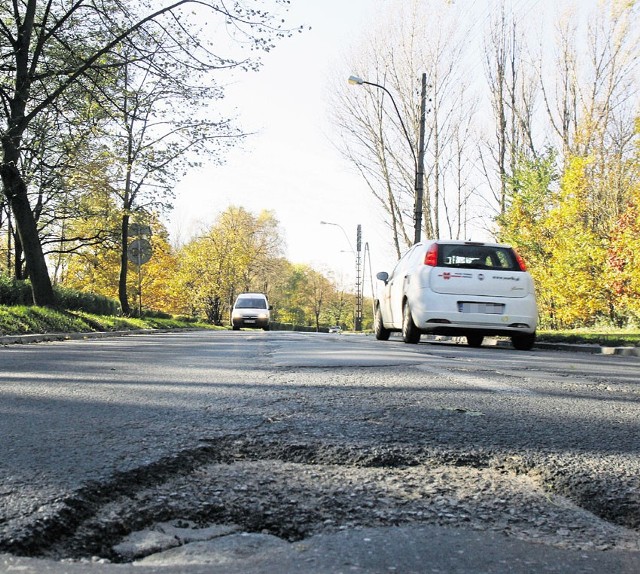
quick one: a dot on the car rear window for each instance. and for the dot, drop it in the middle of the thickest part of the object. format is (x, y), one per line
(477, 256)
(251, 303)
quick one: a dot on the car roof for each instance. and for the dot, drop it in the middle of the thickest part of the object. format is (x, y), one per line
(463, 242)
(252, 295)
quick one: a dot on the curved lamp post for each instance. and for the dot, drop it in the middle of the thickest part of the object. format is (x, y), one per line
(418, 158)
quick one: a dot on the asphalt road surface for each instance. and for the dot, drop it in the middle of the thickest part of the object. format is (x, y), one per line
(288, 452)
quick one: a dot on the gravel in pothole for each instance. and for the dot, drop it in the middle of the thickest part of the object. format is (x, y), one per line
(294, 501)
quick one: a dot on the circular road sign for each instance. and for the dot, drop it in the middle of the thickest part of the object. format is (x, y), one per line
(139, 251)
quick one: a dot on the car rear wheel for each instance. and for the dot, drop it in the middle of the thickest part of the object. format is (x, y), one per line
(382, 334)
(523, 342)
(410, 333)
(475, 340)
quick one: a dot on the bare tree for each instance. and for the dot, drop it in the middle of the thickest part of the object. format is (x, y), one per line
(366, 127)
(460, 168)
(415, 38)
(513, 91)
(587, 97)
(591, 100)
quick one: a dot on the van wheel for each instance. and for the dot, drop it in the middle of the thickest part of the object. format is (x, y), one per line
(235, 328)
(410, 333)
(475, 340)
(523, 342)
(382, 333)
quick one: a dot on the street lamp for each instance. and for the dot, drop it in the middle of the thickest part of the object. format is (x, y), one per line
(358, 317)
(418, 158)
(341, 229)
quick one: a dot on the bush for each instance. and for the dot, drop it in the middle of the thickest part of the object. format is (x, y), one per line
(188, 319)
(156, 314)
(73, 300)
(14, 292)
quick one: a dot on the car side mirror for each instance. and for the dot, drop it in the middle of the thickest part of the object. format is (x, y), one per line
(383, 276)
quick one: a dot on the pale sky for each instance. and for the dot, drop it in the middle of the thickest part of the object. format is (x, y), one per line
(290, 166)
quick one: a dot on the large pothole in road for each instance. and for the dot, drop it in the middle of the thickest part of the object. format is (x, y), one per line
(295, 491)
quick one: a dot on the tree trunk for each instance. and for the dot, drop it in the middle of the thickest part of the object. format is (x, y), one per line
(124, 264)
(15, 191)
(14, 186)
(19, 271)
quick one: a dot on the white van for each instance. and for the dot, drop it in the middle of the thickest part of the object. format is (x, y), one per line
(251, 310)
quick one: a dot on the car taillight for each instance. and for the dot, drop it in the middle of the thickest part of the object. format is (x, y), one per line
(431, 257)
(520, 260)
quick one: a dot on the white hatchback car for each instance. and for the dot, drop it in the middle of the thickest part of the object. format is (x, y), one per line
(459, 288)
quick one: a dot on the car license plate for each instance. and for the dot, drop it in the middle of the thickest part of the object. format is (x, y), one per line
(484, 308)
(249, 320)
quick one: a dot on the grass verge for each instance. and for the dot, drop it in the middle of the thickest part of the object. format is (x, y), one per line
(20, 320)
(23, 320)
(593, 336)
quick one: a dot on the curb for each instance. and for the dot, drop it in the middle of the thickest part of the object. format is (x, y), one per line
(542, 345)
(573, 347)
(51, 337)
(592, 349)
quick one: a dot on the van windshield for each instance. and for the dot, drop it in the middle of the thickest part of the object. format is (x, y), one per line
(251, 303)
(477, 257)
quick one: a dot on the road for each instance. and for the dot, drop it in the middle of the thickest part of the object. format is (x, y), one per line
(108, 446)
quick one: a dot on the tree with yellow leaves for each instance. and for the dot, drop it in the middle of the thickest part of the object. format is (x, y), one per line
(574, 274)
(624, 251)
(96, 268)
(580, 240)
(532, 195)
(239, 253)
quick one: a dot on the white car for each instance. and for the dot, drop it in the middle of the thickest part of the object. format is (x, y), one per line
(251, 310)
(458, 288)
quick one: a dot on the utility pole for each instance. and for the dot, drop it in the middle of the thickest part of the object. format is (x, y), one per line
(420, 165)
(418, 158)
(358, 319)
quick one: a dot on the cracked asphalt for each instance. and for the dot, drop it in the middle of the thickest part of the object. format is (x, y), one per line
(290, 442)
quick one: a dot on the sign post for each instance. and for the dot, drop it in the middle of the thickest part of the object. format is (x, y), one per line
(139, 252)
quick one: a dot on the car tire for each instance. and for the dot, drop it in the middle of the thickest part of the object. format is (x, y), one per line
(523, 342)
(235, 328)
(382, 333)
(267, 328)
(475, 340)
(410, 333)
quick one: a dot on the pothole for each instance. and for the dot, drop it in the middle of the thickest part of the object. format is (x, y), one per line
(293, 491)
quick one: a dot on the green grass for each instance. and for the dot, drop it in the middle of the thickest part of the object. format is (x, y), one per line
(21, 320)
(594, 336)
